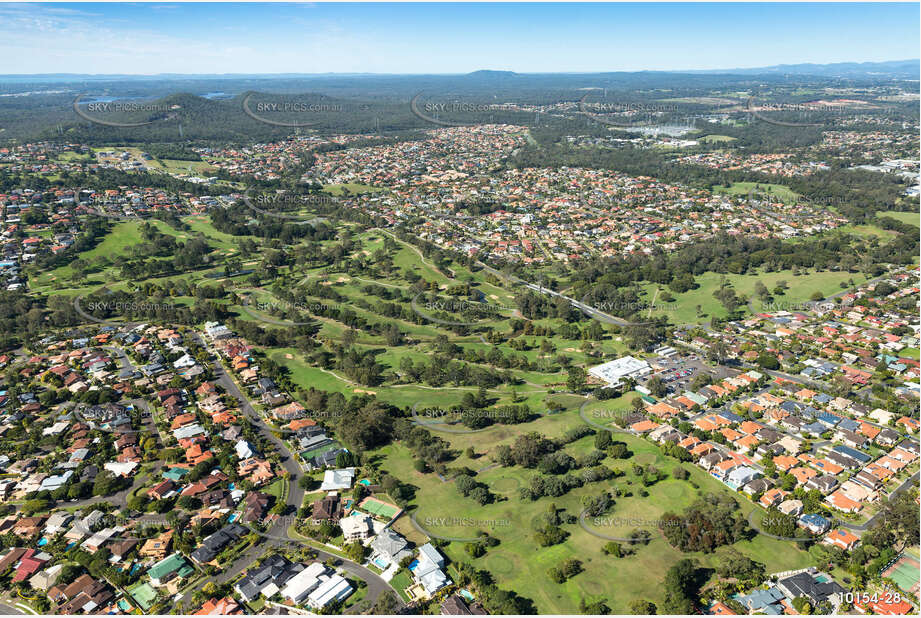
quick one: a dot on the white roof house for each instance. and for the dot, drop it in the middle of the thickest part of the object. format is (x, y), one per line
(334, 480)
(357, 526)
(55, 429)
(120, 468)
(244, 449)
(189, 431)
(429, 570)
(55, 481)
(333, 589)
(305, 582)
(184, 361)
(57, 521)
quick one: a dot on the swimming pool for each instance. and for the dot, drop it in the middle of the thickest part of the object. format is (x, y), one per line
(380, 563)
(232, 518)
(364, 482)
(42, 542)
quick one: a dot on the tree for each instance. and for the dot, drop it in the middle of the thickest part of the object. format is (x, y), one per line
(680, 587)
(576, 379)
(481, 495)
(612, 549)
(657, 387)
(356, 551)
(602, 440)
(802, 605)
(733, 563)
(640, 607)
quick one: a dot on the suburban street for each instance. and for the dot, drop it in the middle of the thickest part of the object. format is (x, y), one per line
(277, 534)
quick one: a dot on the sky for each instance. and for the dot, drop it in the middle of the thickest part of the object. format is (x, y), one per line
(150, 38)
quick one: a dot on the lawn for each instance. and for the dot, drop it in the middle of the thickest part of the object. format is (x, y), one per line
(744, 188)
(401, 581)
(521, 565)
(351, 187)
(683, 310)
(118, 242)
(277, 488)
(178, 166)
(716, 138)
(912, 218)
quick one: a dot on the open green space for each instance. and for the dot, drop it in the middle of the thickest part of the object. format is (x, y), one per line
(911, 218)
(683, 310)
(716, 138)
(521, 565)
(352, 187)
(744, 188)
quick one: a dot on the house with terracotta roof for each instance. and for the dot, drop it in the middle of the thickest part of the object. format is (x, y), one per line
(643, 426)
(723, 468)
(157, 547)
(702, 450)
(219, 607)
(840, 501)
(773, 497)
(841, 538)
(803, 474)
(785, 462)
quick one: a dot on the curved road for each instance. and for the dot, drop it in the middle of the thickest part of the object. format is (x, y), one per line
(277, 534)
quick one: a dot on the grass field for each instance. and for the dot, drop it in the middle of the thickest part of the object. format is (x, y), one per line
(716, 138)
(683, 310)
(912, 218)
(743, 188)
(176, 166)
(351, 187)
(519, 564)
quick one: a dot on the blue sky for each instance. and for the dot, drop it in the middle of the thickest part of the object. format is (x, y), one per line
(445, 38)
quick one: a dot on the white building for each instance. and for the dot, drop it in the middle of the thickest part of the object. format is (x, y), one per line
(335, 480)
(333, 589)
(216, 330)
(305, 582)
(356, 527)
(429, 572)
(615, 371)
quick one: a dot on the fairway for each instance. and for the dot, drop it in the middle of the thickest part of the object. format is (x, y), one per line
(522, 565)
(716, 138)
(683, 310)
(911, 218)
(781, 192)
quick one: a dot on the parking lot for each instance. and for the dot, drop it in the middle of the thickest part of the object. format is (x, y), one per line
(680, 370)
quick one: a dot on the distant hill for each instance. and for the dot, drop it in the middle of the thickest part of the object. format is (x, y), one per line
(491, 73)
(900, 69)
(908, 69)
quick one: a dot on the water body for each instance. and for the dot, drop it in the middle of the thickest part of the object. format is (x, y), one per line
(105, 99)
